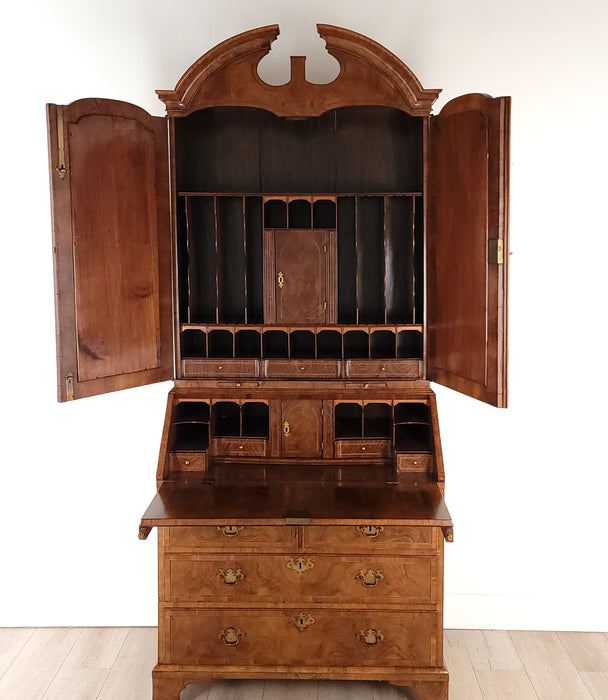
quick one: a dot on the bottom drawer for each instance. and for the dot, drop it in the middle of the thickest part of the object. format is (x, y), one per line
(306, 637)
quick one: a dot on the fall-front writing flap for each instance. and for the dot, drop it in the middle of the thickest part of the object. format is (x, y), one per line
(111, 245)
(467, 247)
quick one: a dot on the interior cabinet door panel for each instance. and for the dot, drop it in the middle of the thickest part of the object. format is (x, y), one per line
(302, 428)
(300, 276)
(112, 246)
(467, 247)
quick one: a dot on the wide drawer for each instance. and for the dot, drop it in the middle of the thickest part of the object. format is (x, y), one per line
(393, 539)
(307, 637)
(302, 368)
(363, 448)
(240, 447)
(229, 537)
(394, 369)
(363, 581)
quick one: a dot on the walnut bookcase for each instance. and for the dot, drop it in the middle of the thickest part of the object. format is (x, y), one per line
(301, 260)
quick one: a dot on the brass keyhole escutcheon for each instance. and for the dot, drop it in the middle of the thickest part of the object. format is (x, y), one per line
(370, 637)
(231, 636)
(300, 565)
(286, 429)
(370, 530)
(231, 577)
(230, 530)
(281, 280)
(370, 577)
(302, 620)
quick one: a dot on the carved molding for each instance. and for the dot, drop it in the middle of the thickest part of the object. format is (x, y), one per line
(227, 75)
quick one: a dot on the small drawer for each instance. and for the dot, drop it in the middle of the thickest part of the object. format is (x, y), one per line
(391, 369)
(231, 537)
(362, 448)
(302, 368)
(386, 539)
(220, 368)
(239, 385)
(410, 462)
(188, 461)
(240, 447)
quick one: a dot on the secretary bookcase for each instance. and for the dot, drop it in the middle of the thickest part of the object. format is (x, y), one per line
(301, 260)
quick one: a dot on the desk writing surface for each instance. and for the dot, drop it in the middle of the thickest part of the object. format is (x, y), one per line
(403, 502)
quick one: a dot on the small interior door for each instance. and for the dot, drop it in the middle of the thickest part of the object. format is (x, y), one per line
(300, 276)
(467, 247)
(301, 428)
(112, 256)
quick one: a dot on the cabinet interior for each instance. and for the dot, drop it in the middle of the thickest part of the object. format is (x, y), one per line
(280, 174)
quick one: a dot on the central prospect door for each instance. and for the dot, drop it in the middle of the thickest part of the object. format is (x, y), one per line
(300, 277)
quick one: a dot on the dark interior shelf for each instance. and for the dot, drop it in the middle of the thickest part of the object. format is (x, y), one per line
(230, 161)
(230, 419)
(408, 424)
(312, 343)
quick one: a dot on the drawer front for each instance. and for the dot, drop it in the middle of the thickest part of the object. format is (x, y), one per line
(390, 539)
(408, 462)
(230, 537)
(188, 461)
(363, 448)
(220, 368)
(302, 368)
(305, 637)
(394, 369)
(274, 580)
(239, 447)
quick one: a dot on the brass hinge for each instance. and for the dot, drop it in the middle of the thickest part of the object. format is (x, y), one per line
(69, 387)
(496, 253)
(61, 169)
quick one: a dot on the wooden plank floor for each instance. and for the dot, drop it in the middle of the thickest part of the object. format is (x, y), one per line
(115, 664)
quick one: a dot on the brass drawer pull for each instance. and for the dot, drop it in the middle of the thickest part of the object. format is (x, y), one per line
(370, 637)
(300, 565)
(281, 280)
(231, 636)
(370, 530)
(370, 578)
(231, 577)
(230, 530)
(302, 620)
(286, 429)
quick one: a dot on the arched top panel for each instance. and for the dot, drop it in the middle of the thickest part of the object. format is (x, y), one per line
(369, 74)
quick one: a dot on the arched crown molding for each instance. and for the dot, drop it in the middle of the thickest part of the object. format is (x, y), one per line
(369, 74)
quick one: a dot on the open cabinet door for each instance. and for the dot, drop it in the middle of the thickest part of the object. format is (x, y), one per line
(467, 247)
(111, 243)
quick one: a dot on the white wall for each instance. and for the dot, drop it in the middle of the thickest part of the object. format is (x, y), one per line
(526, 486)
